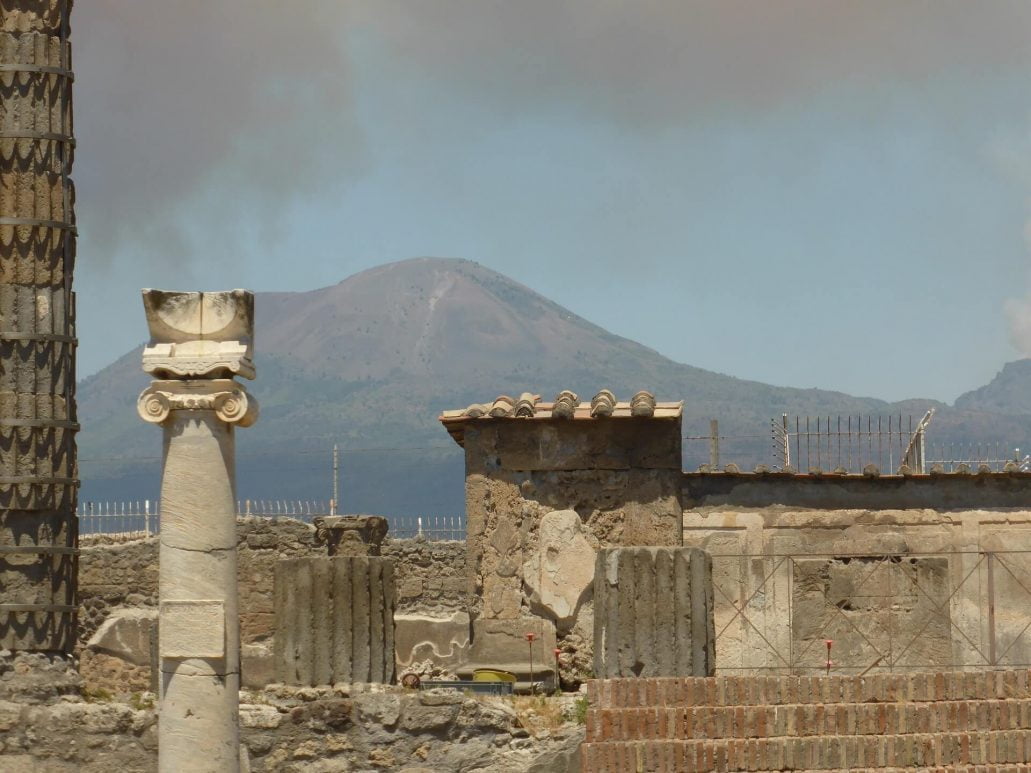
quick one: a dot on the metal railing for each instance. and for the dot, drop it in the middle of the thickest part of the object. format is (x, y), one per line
(848, 444)
(138, 519)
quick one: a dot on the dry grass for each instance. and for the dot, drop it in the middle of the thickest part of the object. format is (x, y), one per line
(539, 712)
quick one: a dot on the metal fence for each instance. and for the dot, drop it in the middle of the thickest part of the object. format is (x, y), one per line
(857, 613)
(847, 444)
(139, 519)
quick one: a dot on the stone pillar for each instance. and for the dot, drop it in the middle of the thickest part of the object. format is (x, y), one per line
(653, 613)
(198, 341)
(334, 620)
(38, 475)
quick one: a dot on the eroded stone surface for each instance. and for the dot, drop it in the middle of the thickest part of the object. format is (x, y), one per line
(127, 634)
(351, 535)
(442, 640)
(303, 731)
(561, 572)
(199, 334)
(653, 613)
(890, 588)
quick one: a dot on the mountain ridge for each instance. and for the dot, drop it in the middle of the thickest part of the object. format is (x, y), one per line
(370, 362)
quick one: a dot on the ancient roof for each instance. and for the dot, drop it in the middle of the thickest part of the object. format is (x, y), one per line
(566, 406)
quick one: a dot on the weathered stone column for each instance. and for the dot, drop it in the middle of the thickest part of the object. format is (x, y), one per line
(38, 475)
(334, 620)
(653, 613)
(351, 535)
(198, 342)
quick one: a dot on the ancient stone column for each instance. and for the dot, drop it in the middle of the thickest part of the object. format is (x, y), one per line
(334, 620)
(653, 613)
(198, 342)
(351, 535)
(38, 476)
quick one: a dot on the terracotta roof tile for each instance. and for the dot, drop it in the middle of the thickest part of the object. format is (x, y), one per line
(567, 405)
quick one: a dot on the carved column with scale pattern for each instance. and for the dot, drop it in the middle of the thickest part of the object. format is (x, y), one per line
(38, 475)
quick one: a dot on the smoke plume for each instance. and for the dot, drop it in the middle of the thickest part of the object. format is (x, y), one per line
(197, 116)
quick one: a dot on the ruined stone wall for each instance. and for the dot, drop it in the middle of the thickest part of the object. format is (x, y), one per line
(897, 573)
(621, 477)
(125, 575)
(431, 576)
(542, 497)
(432, 620)
(291, 731)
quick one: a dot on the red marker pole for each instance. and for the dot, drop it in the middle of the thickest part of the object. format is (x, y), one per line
(829, 643)
(529, 638)
(558, 684)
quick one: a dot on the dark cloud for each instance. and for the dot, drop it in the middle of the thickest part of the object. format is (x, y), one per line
(672, 60)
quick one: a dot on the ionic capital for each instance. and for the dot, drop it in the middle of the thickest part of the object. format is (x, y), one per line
(227, 398)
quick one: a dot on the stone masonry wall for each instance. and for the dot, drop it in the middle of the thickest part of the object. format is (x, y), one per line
(896, 572)
(432, 609)
(126, 574)
(621, 477)
(431, 576)
(306, 730)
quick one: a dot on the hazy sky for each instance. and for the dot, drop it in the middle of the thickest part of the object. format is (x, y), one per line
(808, 193)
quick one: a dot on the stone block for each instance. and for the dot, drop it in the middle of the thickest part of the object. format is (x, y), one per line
(442, 640)
(193, 629)
(126, 634)
(502, 645)
(653, 613)
(257, 668)
(579, 445)
(560, 574)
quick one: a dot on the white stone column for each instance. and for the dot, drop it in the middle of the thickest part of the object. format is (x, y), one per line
(199, 630)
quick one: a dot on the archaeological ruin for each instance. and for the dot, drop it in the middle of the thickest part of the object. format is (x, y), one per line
(38, 472)
(718, 620)
(198, 343)
(606, 612)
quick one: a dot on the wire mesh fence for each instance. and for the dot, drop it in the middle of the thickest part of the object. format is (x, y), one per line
(127, 520)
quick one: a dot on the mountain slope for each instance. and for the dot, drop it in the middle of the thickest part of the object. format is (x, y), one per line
(1009, 392)
(369, 363)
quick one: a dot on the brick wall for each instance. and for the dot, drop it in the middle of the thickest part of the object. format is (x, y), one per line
(880, 721)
